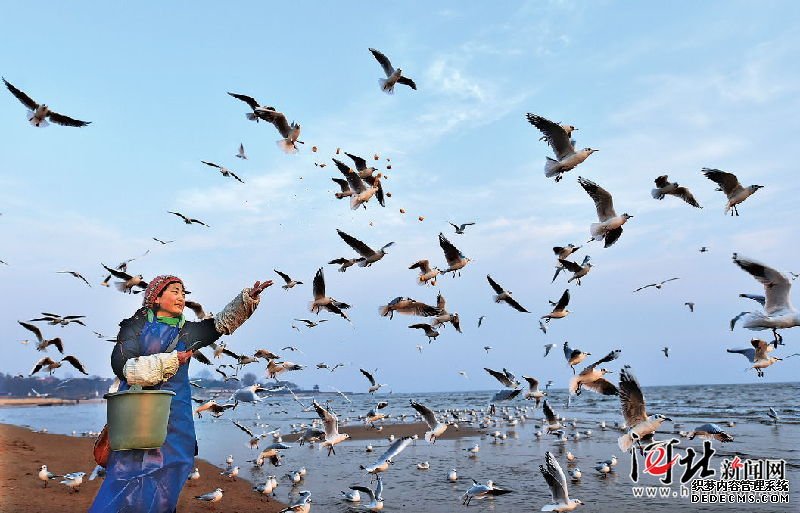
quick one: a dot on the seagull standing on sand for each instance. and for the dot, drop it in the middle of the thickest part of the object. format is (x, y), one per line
(610, 225)
(331, 424)
(393, 76)
(45, 475)
(641, 426)
(778, 313)
(664, 187)
(564, 148)
(435, 428)
(39, 113)
(557, 482)
(73, 480)
(729, 184)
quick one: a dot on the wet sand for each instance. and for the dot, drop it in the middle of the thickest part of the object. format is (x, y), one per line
(22, 452)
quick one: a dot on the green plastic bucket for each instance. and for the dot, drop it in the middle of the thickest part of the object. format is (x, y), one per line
(137, 419)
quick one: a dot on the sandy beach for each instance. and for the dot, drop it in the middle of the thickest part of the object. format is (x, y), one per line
(23, 492)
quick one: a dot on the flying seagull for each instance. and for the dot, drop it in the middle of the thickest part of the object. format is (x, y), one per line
(592, 378)
(757, 355)
(533, 390)
(163, 242)
(460, 228)
(55, 319)
(574, 356)
(321, 301)
(778, 313)
(241, 154)
(374, 385)
(559, 309)
(504, 296)
(435, 428)
(729, 184)
(443, 316)
(368, 255)
(375, 498)
(37, 112)
(289, 281)
(407, 306)
(189, 220)
(253, 104)
(223, 170)
(427, 274)
(455, 258)
(547, 348)
(428, 329)
(393, 76)
(656, 285)
(610, 225)
(331, 424)
(641, 426)
(690, 305)
(362, 169)
(557, 482)
(128, 282)
(506, 378)
(481, 491)
(710, 431)
(564, 148)
(382, 463)
(289, 132)
(360, 194)
(52, 365)
(664, 187)
(42, 345)
(76, 275)
(578, 271)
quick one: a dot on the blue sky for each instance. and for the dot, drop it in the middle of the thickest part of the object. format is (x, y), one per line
(656, 90)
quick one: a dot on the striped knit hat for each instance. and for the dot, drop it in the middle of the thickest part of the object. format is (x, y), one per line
(156, 286)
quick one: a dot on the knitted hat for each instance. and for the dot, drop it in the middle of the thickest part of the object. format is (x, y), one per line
(156, 287)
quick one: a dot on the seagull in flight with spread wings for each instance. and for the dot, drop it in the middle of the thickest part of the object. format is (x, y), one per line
(610, 225)
(393, 76)
(39, 113)
(729, 184)
(559, 140)
(505, 296)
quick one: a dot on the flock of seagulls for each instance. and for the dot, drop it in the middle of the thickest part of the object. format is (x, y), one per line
(361, 183)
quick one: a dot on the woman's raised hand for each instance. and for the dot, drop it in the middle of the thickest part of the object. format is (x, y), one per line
(258, 288)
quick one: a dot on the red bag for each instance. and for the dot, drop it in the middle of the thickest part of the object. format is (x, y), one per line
(102, 447)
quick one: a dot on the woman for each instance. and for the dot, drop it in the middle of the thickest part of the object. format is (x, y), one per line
(152, 351)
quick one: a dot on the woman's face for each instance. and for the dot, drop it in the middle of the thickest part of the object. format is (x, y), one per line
(171, 301)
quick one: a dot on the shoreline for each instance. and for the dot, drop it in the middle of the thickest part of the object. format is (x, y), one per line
(23, 451)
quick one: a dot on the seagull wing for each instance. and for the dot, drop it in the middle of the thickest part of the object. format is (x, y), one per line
(33, 329)
(197, 308)
(22, 97)
(761, 347)
(60, 119)
(501, 377)
(423, 265)
(426, 413)
(395, 449)
(496, 286)
(278, 119)
(612, 236)
(601, 386)
(342, 183)
(549, 414)
(243, 428)
(360, 248)
(368, 376)
(75, 363)
(748, 353)
(613, 355)
(631, 398)
(758, 299)
(570, 266)
(602, 199)
(359, 162)
(567, 351)
(556, 136)
(555, 478)
(776, 285)
(41, 363)
(59, 345)
(384, 61)
(285, 276)
(122, 275)
(329, 420)
(364, 489)
(516, 306)
(249, 100)
(727, 181)
(563, 302)
(506, 395)
(451, 253)
(684, 194)
(533, 383)
(319, 284)
(211, 164)
(355, 181)
(407, 81)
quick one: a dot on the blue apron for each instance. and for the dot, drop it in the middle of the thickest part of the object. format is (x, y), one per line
(150, 481)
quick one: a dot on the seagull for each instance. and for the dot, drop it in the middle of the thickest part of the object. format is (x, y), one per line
(289, 282)
(504, 296)
(360, 193)
(729, 184)
(289, 132)
(43, 344)
(656, 285)
(309, 323)
(214, 496)
(666, 352)
(321, 301)
(575, 474)
(547, 348)
(578, 271)
(428, 329)
(487, 349)
(435, 428)
(592, 378)
(189, 220)
(562, 146)
(346, 191)
(163, 242)
(241, 154)
(73, 480)
(641, 426)
(56, 320)
(331, 423)
(300, 504)
(424, 465)
(128, 282)
(533, 390)
(664, 187)
(257, 108)
(703, 249)
(506, 378)
(45, 475)
(393, 76)
(382, 463)
(52, 365)
(374, 386)
(480, 320)
(710, 431)
(254, 439)
(271, 453)
(361, 166)
(481, 491)
(564, 252)
(231, 473)
(542, 327)
(557, 482)
(574, 356)
(198, 311)
(368, 255)
(455, 259)
(773, 414)
(460, 228)
(778, 313)
(375, 498)
(444, 316)
(216, 409)
(76, 275)
(37, 112)
(274, 368)
(427, 274)
(344, 263)
(757, 355)
(351, 496)
(610, 225)
(690, 305)
(550, 416)
(560, 308)
(223, 170)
